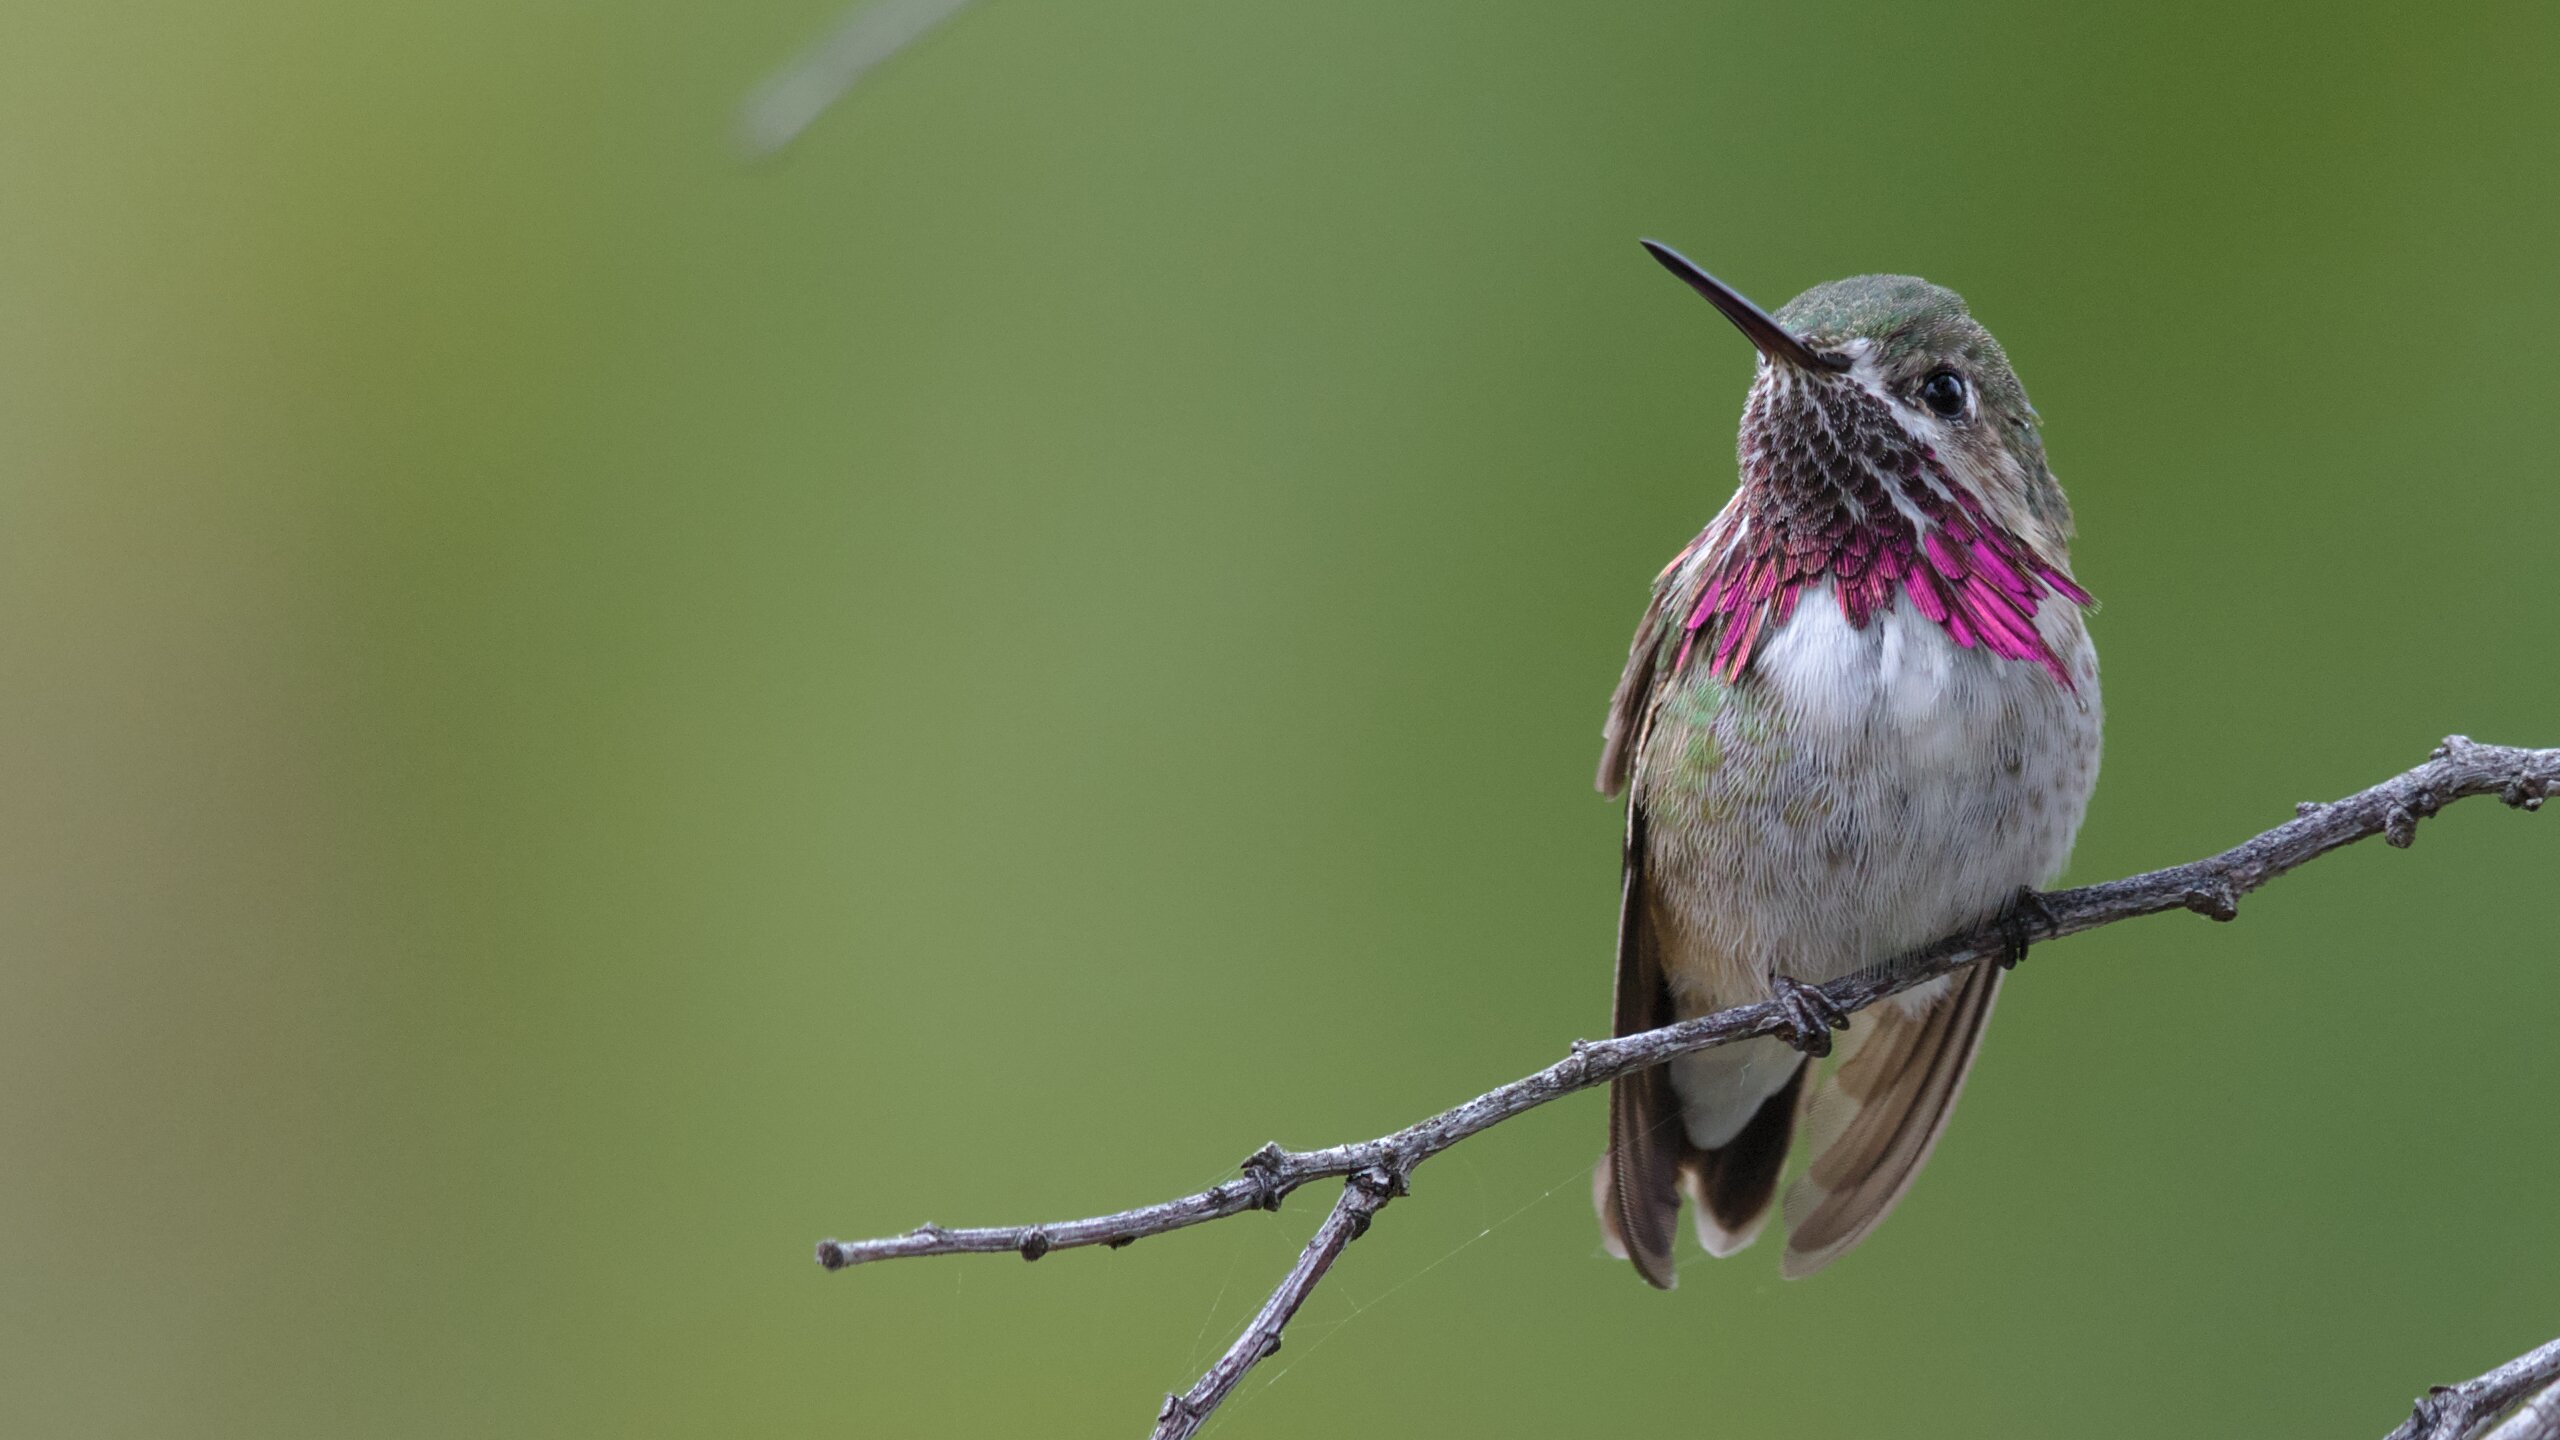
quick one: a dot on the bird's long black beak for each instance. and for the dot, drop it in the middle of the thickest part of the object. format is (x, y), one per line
(1750, 319)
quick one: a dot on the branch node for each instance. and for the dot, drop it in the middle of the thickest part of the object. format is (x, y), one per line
(2452, 744)
(1264, 1168)
(831, 1255)
(2215, 898)
(2399, 827)
(1380, 1183)
(1035, 1244)
(1119, 1242)
(929, 1231)
(2305, 809)
(1391, 1178)
(1578, 1062)
(2525, 792)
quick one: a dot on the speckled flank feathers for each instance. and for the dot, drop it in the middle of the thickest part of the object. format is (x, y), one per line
(1861, 712)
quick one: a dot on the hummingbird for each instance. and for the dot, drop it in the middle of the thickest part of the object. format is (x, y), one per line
(1860, 714)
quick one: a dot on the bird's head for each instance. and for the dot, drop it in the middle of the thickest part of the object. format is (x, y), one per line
(1885, 383)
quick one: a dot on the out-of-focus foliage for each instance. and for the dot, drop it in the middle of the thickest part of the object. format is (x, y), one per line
(576, 714)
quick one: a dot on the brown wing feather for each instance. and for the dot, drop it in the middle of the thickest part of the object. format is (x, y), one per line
(1878, 1117)
(1735, 1185)
(1637, 1186)
(1639, 1199)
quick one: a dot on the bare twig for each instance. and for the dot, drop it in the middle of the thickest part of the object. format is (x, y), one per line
(1376, 1170)
(1362, 1196)
(2459, 1412)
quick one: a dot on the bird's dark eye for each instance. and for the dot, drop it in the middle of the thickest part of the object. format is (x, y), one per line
(1943, 393)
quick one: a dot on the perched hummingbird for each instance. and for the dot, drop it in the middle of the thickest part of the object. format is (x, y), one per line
(1861, 713)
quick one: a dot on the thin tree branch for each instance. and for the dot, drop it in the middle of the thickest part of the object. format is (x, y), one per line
(2459, 1412)
(1362, 1197)
(1377, 1170)
(2212, 886)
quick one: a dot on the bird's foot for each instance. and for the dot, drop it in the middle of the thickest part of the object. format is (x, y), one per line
(2017, 923)
(1811, 1017)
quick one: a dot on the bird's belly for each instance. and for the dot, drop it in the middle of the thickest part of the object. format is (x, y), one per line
(1859, 793)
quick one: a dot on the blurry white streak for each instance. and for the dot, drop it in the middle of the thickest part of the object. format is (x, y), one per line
(792, 98)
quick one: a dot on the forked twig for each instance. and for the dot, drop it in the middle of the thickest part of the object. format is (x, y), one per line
(1375, 1171)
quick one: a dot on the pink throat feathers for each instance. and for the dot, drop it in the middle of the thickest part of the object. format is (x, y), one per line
(1820, 481)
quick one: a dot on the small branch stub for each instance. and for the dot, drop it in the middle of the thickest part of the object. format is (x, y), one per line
(2400, 827)
(2215, 898)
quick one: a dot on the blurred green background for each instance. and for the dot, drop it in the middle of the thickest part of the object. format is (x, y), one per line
(577, 714)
